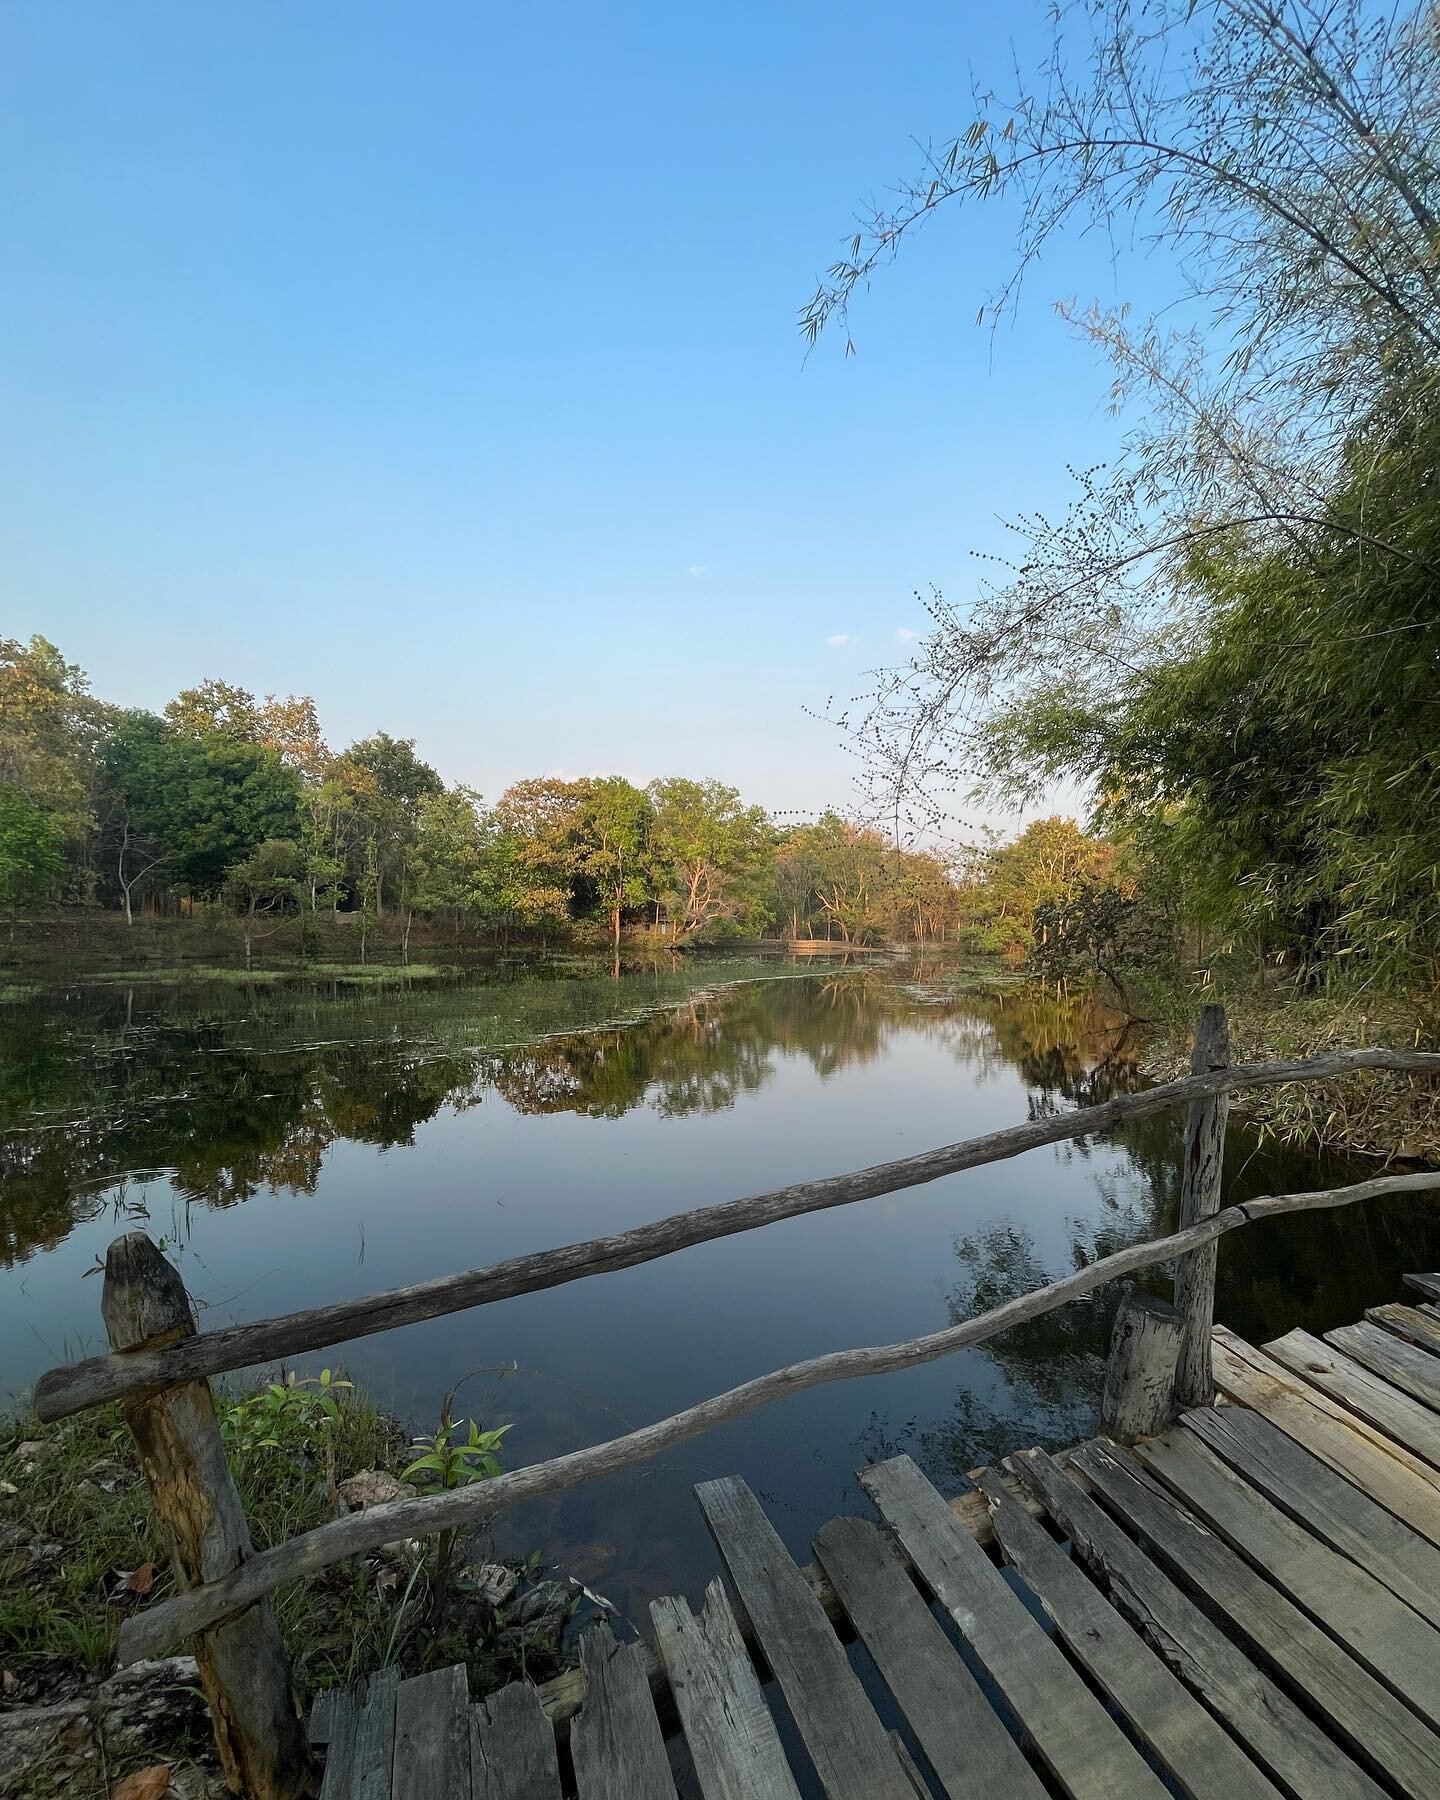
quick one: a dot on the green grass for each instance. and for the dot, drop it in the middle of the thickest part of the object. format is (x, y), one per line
(373, 974)
(81, 1492)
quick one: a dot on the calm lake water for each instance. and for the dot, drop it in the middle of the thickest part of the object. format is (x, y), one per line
(300, 1144)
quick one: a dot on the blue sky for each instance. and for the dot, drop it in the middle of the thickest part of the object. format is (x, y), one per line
(441, 361)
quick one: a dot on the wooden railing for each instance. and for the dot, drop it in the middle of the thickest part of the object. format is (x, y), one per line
(159, 1364)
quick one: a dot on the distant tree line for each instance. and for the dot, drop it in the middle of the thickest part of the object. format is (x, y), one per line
(226, 801)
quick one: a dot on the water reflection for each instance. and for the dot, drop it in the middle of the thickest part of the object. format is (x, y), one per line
(306, 1145)
(236, 1092)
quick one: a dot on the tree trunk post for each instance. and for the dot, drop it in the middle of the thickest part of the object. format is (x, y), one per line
(244, 1666)
(1199, 1199)
(1139, 1397)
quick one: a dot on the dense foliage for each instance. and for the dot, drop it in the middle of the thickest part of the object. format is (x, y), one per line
(1234, 633)
(1276, 758)
(231, 803)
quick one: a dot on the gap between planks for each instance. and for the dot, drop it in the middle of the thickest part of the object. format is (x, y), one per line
(563, 1695)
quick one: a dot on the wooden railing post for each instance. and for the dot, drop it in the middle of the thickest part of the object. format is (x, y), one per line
(243, 1662)
(1199, 1199)
(1139, 1397)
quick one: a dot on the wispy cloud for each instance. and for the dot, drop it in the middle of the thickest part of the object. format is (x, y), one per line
(906, 635)
(839, 640)
(698, 569)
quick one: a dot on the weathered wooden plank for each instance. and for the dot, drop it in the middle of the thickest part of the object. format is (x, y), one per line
(1416, 1324)
(1414, 1371)
(1337, 1511)
(1404, 1484)
(1428, 1285)
(512, 1747)
(1078, 1741)
(907, 1762)
(853, 1756)
(957, 1728)
(732, 1738)
(1201, 1173)
(325, 1709)
(374, 1763)
(432, 1737)
(1285, 1740)
(1410, 1424)
(1379, 1728)
(60, 1392)
(615, 1741)
(1200, 1756)
(1374, 1626)
(1140, 1371)
(338, 1721)
(563, 1694)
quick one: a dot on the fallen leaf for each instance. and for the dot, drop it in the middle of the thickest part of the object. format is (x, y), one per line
(8, 1682)
(137, 1581)
(144, 1784)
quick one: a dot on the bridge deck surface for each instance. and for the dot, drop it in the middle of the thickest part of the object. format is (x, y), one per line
(1244, 1608)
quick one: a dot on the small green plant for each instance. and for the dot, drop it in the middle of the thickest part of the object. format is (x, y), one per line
(449, 1461)
(285, 1415)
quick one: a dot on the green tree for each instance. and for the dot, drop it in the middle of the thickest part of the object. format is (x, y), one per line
(201, 804)
(49, 723)
(706, 851)
(32, 851)
(263, 885)
(387, 782)
(1273, 762)
(1047, 866)
(133, 771)
(453, 862)
(847, 870)
(538, 849)
(613, 833)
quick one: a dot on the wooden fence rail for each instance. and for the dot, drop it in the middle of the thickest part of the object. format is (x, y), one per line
(160, 1363)
(152, 1632)
(95, 1381)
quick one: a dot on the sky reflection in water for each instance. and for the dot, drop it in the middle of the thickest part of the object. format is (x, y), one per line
(296, 1146)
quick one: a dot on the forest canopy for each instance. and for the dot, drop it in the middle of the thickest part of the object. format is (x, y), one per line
(238, 805)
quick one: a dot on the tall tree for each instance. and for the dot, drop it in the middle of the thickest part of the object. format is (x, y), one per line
(539, 849)
(262, 885)
(614, 824)
(706, 850)
(32, 851)
(388, 782)
(204, 804)
(49, 724)
(135, 771)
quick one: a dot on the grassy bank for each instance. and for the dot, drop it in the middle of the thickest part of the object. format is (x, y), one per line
(88, 943)
(79, 1550)
(1394, 1117)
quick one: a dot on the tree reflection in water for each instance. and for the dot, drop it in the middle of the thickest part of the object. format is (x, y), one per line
(1273, 1277)
(234, 1090)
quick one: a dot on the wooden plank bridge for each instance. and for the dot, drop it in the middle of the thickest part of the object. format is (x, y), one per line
(1243, 1607)
(1252, 1607)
